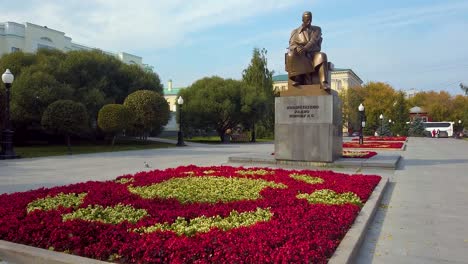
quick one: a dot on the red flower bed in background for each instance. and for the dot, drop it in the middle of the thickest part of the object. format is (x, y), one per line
(299, 231)
(358, 154)
(385, 138)
(374, 144)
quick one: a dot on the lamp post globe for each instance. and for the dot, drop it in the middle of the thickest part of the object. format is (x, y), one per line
(381, 124)
(361, 123)
(7, 133)
(180, 136)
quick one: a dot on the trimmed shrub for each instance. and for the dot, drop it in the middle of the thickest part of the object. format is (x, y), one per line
(113, 119)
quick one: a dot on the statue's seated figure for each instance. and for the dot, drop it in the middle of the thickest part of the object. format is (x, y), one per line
(305, 63)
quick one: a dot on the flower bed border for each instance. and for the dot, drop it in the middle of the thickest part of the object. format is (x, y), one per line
(403, 147)
(384, 138)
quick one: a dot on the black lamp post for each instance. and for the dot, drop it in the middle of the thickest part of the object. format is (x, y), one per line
(381, 124)
(180, 136)
(7, 133)
(362, 123)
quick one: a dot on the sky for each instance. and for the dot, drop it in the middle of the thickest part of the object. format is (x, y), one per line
(409, 44)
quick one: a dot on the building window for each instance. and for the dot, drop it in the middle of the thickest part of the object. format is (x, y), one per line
(46, 39)
(42, 46)
(14, 49)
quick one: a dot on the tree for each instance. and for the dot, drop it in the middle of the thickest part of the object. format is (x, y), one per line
(351, 99)
(416, 128)
(400, 115)
(91, 77)
(34, 90)
(16, 61)
(65, 117)
(113, 119)
(378, 98)
(213, 103)
(150, 111)
(258, 96)
(464, 88)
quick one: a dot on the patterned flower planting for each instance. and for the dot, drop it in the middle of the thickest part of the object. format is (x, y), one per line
(218, 214)
(358, 154)
(374, 145)
(384, 138)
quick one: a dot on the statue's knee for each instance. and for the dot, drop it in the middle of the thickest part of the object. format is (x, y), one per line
(322, 56)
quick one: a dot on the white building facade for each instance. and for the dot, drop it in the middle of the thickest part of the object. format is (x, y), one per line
(341, 80)
(30, 37)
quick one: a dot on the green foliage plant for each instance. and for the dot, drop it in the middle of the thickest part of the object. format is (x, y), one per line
(53, 202)
(149, 110)
(109, 215)
(416, 128)
(330, 197)
(306, 178)
(206, 189)
(204, 224)
(113, 119)
(65, 117)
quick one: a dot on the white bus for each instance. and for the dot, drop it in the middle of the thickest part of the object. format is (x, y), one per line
(439, 126)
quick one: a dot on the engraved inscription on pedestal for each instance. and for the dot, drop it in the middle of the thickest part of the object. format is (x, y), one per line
(308, 128)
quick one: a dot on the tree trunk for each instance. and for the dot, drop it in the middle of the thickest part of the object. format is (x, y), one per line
(113, 141)
(68, 144)
(253, 138)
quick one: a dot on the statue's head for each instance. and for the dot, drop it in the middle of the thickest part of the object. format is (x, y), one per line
(306, 18)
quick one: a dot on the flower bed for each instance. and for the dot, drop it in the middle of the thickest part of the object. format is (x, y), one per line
(374, 145)
(358, 154)
(192, 214)
(384, 138)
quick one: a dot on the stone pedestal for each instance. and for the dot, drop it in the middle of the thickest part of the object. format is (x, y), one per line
(308, 128)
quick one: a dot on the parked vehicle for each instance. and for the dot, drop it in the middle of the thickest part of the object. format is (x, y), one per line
(445, 128)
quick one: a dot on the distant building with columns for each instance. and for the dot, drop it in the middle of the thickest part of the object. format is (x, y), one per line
(30, 37)
(341, 80)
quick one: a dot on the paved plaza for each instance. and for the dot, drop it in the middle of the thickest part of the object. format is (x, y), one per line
(421, 219)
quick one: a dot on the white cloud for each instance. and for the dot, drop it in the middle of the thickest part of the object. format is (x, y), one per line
(143, 24)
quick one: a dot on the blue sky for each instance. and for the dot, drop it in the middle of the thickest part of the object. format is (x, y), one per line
(421, 44)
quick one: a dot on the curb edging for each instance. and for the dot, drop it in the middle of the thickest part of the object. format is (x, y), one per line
(18, 253)
(349, 247)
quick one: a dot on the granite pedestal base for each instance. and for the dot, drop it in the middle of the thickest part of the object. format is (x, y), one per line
(308, 128)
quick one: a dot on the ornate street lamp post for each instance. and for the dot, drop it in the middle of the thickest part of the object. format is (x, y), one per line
(381, 124)
(362, 123)
(460, 129)
(7, 133)
(180, 136)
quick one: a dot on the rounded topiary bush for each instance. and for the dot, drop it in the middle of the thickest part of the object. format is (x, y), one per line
(150, 111)
(65, 117)
(113, 119)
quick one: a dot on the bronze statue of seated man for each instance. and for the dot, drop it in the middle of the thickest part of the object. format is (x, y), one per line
(305, 63)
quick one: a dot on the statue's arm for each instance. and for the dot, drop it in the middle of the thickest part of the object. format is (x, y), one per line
(315, 42)
(292, 44)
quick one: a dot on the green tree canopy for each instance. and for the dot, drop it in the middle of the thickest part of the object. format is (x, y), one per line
(150, 111)
(258, 102)
(213, 103)
(33, 91)
(65, 117)
(113, 119)
(90, 77)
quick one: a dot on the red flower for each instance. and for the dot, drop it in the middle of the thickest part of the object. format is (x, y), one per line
(297, 232)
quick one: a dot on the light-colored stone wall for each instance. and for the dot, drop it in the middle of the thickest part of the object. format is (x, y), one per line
(30, 37)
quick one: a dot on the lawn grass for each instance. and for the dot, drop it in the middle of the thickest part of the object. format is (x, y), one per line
(35, 151)
(216, 140)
